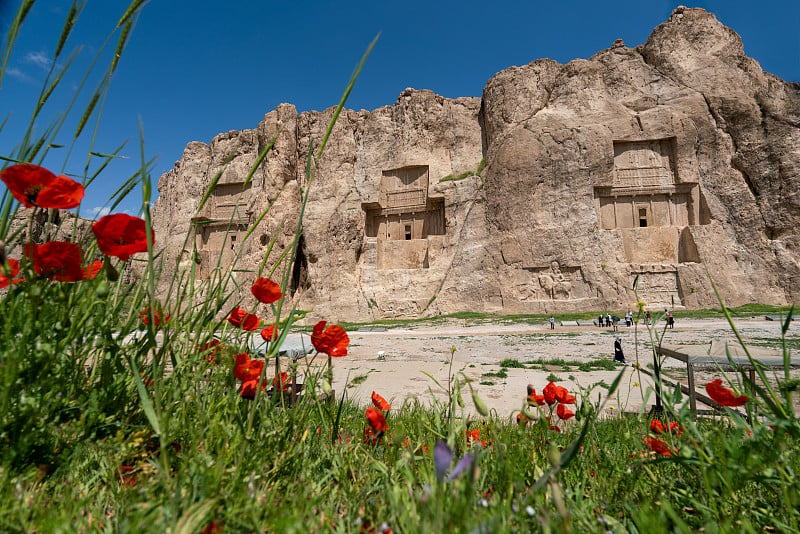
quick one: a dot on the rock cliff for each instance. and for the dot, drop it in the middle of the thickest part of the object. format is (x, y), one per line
(554, 192)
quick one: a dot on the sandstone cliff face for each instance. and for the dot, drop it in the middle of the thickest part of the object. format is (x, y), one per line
(647, 162)
(652, 163)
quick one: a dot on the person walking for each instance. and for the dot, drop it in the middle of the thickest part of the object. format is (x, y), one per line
(619, 356)
(552, 323)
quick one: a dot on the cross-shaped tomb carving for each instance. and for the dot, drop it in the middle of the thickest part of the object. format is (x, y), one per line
(645, 189)
(404, 211)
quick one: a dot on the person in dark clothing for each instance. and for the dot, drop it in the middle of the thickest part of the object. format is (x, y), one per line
(618, 354)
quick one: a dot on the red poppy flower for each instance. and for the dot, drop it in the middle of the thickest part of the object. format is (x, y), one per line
(56, 260)
(244, 320)
(657, 426)
(724, 396)
(121, 235)
(12, 270)
(521, 419)
(533, 398)
(549, 393)
(281, 383)
(675, 428)
(248, 369)
(563, 396)
(473, 435)
(333, 340)
(553, 427)
(212, 350)
(380, 402)
(248, 389)
(369, 437)
(92, 269)
(36, 186)
(158, 317)
(266, 291)
(658, 445)
(376, 420)
(563, 412)
(269, 334)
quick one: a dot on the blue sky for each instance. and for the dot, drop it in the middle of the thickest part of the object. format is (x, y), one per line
(193, 69)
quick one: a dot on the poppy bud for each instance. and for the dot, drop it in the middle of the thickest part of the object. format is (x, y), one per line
(587, 409)
(554, 455)
(479, 404)
(111, 272)
(326, 387)
(102, 290)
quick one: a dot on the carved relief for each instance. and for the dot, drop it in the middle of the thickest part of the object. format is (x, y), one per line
(640, 165)
(554, 283)
(658, 287)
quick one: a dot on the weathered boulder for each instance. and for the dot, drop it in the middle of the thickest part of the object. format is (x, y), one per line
(556, 191)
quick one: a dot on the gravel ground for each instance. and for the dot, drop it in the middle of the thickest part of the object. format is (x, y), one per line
(393, 362)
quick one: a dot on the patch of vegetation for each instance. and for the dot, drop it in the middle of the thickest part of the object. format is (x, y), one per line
(456, 177)
(477, 318)
(792, 343)
(357, 380)
(556, 362)
(486, 383)
(502, 373)
(553, 378)
(604, 364)
(512, 363)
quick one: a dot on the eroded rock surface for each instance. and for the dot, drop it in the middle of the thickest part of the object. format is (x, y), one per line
(556, 191)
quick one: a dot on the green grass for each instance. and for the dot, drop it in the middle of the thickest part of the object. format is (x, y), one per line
(358, 379)
(470, 318)
(605, 364)
(512, 363)
(502, 373)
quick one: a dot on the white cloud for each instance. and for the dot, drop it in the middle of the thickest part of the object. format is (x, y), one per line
(99, 211)
(18, 74)
(40, 59)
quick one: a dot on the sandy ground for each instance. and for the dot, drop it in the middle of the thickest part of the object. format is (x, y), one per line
(393, 362)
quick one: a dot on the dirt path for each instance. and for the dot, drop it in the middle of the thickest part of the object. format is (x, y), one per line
(393, 362)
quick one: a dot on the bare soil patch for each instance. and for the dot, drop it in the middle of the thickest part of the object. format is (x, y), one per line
(392, 361)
